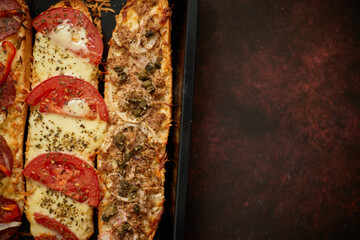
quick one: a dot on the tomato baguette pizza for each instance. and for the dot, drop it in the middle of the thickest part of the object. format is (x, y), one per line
(15, 53)
(138, 92)
(67, 123)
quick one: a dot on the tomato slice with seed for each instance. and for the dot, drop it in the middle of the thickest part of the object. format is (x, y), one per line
(55, 225)
(65, 173)
(49, 20)
(6, 159)
(56, 92)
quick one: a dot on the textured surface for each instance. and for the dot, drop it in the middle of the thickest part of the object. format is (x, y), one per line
(276, 123)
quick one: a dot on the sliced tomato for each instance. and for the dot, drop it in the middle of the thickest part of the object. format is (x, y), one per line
(52, 18)
(54, 93)
(55, 225)
(6, 159)
(65, 173)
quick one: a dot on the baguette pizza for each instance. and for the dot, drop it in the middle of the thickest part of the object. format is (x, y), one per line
(138, 93)
(67, 123)
(15, 53)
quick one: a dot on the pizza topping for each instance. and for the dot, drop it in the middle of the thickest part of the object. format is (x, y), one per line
(104, 236)
(12, 51)
(70, 37)
(137, 106)
(59, 22)
(4, 226)
(127, 155)
(166, 16)
(53, 224)
(126, 226)
(136, 208)
(7, 85)
(10, 217)
(7, 91)
(148, 41)
(127, 190)
(60, 133)
(119, 141)
(120, 71)
(150, 68)
(56, 93)
(11, 17)
(143, 76)
(67, 174)
(45, 237)
(149, 33)
(109, 212)
(76, 216)
(9, 210)
(50, 60)
(148, 86)
(6, 159)
(158, 63)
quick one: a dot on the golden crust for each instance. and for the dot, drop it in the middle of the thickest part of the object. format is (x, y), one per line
(75, 4)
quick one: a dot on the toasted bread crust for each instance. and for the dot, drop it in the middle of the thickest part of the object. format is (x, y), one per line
(75, 4)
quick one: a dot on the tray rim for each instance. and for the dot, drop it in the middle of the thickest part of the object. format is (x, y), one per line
(186, 120)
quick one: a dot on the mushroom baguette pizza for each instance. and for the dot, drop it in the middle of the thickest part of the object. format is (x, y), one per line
(138, 93)
(67, 123)
(15, 68)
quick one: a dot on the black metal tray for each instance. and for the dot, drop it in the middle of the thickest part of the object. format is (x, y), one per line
(184, 23)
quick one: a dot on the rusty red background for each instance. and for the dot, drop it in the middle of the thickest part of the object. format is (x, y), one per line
(275, 142)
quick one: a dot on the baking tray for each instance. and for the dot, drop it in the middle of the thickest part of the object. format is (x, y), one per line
(184, 24)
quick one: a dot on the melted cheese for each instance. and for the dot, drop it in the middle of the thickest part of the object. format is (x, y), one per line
(77, 107)
(50, 132)
(69, 37)
(50, 60)
(155, 10)
(132, 20)
(3, 56)
(76, 216)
